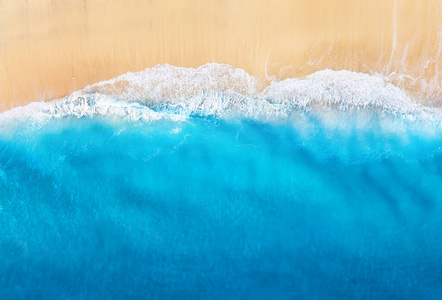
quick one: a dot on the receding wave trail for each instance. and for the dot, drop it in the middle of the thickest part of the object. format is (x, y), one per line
(202, 183)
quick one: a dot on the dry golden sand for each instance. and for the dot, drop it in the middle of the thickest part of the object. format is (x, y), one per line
(49, 48)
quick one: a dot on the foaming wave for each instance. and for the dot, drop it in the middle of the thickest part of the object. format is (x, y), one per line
(36, 115)
(165, 82)
(226, 92)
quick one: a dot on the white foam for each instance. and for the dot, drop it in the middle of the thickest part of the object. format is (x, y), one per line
(36, 115)
(225, 92)
(165, 82)
(345, 90)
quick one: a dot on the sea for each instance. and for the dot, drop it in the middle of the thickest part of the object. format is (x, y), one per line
(182, 183)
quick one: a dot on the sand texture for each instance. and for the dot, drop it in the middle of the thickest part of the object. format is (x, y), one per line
(49, 48)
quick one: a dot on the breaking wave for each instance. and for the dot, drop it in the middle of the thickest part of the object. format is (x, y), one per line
(226, 92)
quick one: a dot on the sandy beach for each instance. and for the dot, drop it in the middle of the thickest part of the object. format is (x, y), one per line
(50, 48)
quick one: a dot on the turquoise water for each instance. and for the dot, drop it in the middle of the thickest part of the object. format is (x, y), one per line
(211, 208)
(192, 183)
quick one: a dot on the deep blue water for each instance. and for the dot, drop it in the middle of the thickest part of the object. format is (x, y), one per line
(206, 208)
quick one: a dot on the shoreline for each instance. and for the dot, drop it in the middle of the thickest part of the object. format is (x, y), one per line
(50, 49)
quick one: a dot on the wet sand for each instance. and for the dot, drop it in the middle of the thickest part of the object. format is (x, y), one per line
(49, 48)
